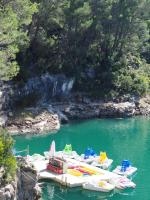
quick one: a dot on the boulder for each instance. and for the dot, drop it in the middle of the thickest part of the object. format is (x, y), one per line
(8, 195)
(124, 109)
(10, 189)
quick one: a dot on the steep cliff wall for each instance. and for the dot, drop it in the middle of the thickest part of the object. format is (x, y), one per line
(5, 91)
(36, 91)
(24, 187)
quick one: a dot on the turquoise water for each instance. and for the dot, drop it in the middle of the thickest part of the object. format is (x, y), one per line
(120, 138)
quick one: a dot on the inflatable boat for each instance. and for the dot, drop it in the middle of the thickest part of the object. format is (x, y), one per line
(122, 183)
(66, 153)
(125, 169)
(104, 165)
(88, 156)
(101, 186)
(102, 161)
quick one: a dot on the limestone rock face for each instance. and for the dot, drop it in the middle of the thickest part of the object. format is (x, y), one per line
(75, 111)
(3, 119)
(48, 117)
(8, 192)
(34, 121)
(143, 106)
(124, 109)
(44, 87)
(27, 182)
(5, 90)
(35, 91)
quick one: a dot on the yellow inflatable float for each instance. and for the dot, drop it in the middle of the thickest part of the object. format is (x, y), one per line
(74, 172)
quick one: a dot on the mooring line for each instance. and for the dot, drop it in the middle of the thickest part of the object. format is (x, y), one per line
(24, 173)
(59, 197)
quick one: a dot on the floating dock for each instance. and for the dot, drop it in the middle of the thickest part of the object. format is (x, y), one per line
(67, 179)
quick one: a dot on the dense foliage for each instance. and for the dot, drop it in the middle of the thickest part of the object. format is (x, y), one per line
(7, 159)
(104, 44)
(14, 16)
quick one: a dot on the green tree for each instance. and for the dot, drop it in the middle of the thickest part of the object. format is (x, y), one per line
(15, 15)
(75, 37)
(43, 33)
(71, 37)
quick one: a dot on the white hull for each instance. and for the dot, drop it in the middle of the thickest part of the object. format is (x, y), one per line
(104, 165)
(129, 171)
(88, 160)
(96, 187)
(122, 183)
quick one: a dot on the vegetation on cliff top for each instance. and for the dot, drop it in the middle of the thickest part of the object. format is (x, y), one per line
(7, 159)
(15, 15)
(104, 44)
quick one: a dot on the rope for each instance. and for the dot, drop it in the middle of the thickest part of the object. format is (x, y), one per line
(28, 176)
(24, 150)
(59, 197)
(21, 151)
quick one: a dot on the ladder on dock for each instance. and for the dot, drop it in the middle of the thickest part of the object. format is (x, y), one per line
(27, 151)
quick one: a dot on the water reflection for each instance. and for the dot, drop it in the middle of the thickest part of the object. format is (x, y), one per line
(97, 195)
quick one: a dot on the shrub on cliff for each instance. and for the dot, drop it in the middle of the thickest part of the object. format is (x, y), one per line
(7, 159)
(131, 81)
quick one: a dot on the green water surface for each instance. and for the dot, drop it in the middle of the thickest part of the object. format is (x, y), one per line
(120, 138)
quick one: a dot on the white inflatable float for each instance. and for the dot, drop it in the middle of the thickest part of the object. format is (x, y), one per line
(128, 172)
(105, 165)
(102, 161)
(100, 186)
(122, 183)
(126, 169)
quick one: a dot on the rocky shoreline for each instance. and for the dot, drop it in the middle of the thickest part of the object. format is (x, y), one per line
(25, 186)
(43, 103)
(33, 120)
(49, 117)
(8, 192)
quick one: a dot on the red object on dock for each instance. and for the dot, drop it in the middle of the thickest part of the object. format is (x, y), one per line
(54, 169)
(55, 165)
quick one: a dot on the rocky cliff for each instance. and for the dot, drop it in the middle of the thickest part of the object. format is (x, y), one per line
(35, 91)
(27, 182)
(8, 192)
(40, 104)
(5, 91)
(24, 187)
(42, 89)
(48, 117)
(86, 108)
